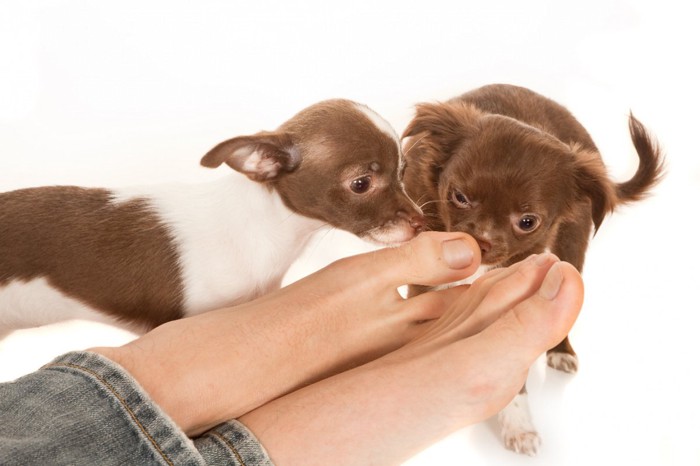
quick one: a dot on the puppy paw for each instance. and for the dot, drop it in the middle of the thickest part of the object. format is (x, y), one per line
(517, 430)
(526, 443)
(564, 362)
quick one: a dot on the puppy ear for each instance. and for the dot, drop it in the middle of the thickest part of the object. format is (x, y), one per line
(261, 157)
(444, 124)
(592, 181)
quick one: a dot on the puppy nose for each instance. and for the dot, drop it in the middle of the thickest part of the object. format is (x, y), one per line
(417, 221)
(484, 245)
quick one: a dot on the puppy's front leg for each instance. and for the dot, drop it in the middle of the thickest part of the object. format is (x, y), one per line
(570, 246)
(517, 430)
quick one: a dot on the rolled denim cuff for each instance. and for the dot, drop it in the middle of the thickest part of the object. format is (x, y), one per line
(232, 443)
(137, 428)
(84, 409)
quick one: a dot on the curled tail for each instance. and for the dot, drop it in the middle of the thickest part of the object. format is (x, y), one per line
(651, 165)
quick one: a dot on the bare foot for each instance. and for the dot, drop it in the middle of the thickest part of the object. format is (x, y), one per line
(219, 365)
(465, 368)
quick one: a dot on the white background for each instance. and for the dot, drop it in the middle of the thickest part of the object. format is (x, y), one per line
(132, 92)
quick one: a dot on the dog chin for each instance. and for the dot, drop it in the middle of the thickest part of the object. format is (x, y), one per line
(389, 235)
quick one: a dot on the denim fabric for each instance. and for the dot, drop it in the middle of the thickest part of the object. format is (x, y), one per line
(83, 409)
(231, 443)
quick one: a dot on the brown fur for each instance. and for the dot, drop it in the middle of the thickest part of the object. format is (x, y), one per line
(513, 152)
(304, 145)
(494, 157)
(108, 269)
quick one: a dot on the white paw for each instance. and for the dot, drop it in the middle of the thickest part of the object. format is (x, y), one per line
(526, 443)
(563, 362)
(517, 430)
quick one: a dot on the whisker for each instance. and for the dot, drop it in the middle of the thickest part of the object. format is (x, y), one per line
(437, 201)
(414, 145)
(420, 199)
(422, 203)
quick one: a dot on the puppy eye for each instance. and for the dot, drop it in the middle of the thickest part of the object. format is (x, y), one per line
(528, 223)
(361, 185)
(460, 200)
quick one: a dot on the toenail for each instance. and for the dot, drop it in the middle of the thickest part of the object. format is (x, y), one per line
(543, 258)
(552, 282)
(530, 258)
(457, 254)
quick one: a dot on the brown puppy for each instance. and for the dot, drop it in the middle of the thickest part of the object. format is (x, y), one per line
(520, 174)
(140, 256)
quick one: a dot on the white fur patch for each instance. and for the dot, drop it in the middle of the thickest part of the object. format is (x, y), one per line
(235, 238)
(235, 241)
(27, 304)
(517, 430)
(393, 233)
(252, 159)
(256, 163)
(380, 123)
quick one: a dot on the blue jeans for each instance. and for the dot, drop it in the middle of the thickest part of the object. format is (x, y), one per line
(83, 409)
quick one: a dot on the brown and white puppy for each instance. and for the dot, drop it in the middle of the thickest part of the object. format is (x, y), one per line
(519, 173)
(142, 256)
